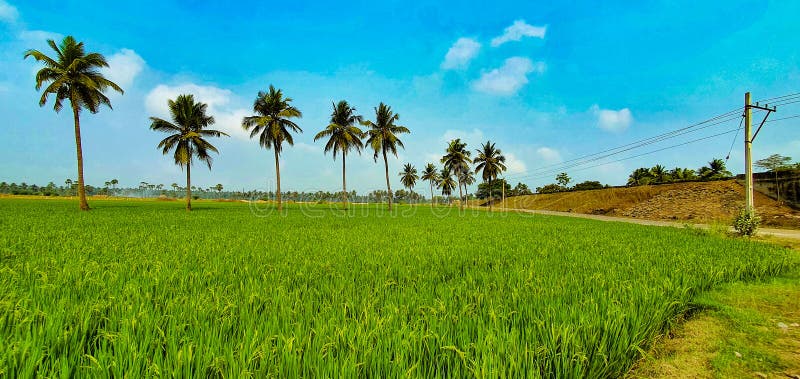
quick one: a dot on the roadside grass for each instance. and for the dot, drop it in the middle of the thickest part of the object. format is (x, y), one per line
(739, 330)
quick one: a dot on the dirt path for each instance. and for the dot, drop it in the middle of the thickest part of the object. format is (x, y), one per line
(780, 233)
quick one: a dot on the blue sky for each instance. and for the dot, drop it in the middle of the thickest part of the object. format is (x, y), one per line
(546, 82)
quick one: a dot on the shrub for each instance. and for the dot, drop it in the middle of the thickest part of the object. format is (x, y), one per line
(746, 223)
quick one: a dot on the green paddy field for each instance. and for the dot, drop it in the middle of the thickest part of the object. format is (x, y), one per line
(145, 289)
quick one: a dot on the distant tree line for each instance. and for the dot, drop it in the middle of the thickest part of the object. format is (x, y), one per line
(562, 185)
(659, 174)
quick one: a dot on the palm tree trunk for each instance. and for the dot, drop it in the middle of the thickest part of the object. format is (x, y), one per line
(777, 186)
(388, 186)
(431, 182)
(344, 180)
(460, 195)
(189, 186)
(81, 190)
(490, 195)
(278, 176)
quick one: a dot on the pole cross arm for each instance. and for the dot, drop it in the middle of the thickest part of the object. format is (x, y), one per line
(769, 111)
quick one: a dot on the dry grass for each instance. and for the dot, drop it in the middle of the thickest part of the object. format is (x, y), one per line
(705, 202)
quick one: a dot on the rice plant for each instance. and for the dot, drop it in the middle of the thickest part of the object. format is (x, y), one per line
(143, 289)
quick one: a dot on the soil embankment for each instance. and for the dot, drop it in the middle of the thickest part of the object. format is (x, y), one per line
(700, 202)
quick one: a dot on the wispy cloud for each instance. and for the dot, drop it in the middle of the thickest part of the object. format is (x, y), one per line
(123, 67)
(508, 78)
(8, 13)
(517, 31)
(461, 53)
(612, 120)
(548, 154)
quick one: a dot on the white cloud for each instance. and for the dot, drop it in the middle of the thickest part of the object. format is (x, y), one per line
(123, 67)
(549, 155)
(461, 53)
(612, 120)
(514, 165)
(517, 30)
(509, 78)
(227, 117)
(39, 37)
(8, 13)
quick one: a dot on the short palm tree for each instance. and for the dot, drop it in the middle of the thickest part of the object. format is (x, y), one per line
(660, 174)
(457, 160)
(490, 162)
(432, 176)
(446, 182)
(188, 136)
(467, 179)
(409, 176)
(382, 137)
(343, 135)
(273, 126)
(74, 76)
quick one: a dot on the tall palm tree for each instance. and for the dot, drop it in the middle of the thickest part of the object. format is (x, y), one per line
(187, 137)
(74, 76)
(409, 176)
(446, 182)
(343, 135)
(382, 137)
(273, 126)
(491, 162)
(457, 160)
(432, 176)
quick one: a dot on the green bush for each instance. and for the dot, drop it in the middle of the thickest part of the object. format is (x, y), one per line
(746, 223)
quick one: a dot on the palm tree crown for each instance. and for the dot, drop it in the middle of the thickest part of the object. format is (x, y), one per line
(409, 176)
(272, 122)
(457, 160)
(382, 137)
(188, 134)
(343, 135)
(74, 75)
(432, 176)
(446, 182)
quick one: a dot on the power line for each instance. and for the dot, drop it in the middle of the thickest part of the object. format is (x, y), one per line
(621, 149)
(647, 141)
(642, 154)
(778, 97)
(741, 121)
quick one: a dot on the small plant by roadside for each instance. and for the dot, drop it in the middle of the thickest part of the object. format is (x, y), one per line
(746, 223)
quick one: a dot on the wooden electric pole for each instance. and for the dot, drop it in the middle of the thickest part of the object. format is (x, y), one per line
(748, 144)
(748, 156)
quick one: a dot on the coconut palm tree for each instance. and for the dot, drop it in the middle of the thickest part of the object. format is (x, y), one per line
(446, 182)
(467, 179)
(491, 162)
(660, 174)
(187, 137)
(382, 137)
(409, 176)
(457, 160)
(343, 135)
(432, 176)
(74, 76)
(273, 126)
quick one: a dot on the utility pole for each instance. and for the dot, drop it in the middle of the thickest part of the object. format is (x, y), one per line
(748, 144)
